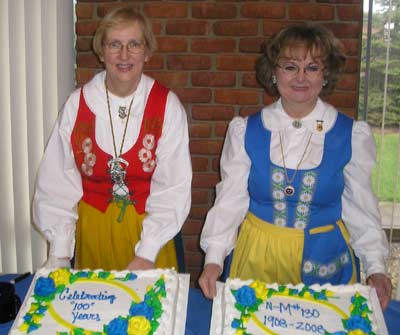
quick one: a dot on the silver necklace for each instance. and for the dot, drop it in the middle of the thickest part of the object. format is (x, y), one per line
(117, 166)
(289, 189)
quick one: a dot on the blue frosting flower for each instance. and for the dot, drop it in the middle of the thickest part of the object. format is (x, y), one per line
(44, 287)
(235, 324)
(357, 322)
(117, 326)
(142, 309)
(246, 296)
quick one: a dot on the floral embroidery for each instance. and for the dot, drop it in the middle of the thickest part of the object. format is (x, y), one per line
(148, 141)
(146, 155)
(89, 160)
(308, 183)
(326, 270)
(278, 196)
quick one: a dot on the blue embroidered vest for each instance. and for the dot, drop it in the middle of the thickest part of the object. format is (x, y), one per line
(317, 200)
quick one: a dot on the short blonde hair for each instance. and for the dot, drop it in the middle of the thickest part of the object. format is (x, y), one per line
(316, 39)
(122, 16)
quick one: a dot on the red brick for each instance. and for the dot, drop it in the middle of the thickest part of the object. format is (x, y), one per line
(340, 1)
(156, 62)
(185, 27)
(351, 65)
(84, 11)
(188, 62)
(236, 97)
(103, 9)
(205, 146)
(83, 44)
(86, 28)
(271, 27)
(82, 76)
(199, 164)
(194, 95)
(345, 30)
(342, 99)
(311, 12)
(191, 244)
(213, 11)
(170, 79)
(165, 9)
(215, 45)
(220, 129)
(201, 197)
(171, 44)
(198, 213)
(252, 44)
(201, 130)
(348, 82)
(267, 99)
(216, 165)
(88, 60)
(212, 113)
(249, 80)
(236, 62)
(349, 13)
(192, 227)
(246, 111)
(270, 11)
(235, 28)
(214, 79)
(205, 180)
(351, 46)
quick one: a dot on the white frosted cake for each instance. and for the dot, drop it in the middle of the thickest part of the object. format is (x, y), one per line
(254, 308)
(71, 302)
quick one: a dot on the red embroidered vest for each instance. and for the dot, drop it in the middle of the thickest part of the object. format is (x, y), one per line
(92, 161)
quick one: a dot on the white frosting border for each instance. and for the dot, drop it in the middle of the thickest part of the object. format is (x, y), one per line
(181, 305)
(216, 325)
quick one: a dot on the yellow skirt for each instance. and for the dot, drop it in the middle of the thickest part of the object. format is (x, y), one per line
(104, 243)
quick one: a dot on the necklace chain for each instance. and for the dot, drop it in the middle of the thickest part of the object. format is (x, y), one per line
(111, 123)
(290, 181)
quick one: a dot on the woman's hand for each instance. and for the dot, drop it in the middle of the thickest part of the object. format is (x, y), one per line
(208, 280)
(139, 263)
(383, 288)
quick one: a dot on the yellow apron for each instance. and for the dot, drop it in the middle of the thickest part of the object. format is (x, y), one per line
(104, 243)
(271, 253)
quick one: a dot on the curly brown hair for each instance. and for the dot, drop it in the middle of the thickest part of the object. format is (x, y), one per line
(316, 39)
(121, 16)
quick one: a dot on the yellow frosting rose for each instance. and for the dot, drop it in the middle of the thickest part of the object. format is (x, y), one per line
(60, 277)
(138, 325)
(260, 289)
(357, 332)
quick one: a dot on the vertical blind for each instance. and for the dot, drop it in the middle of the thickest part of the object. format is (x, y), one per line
(37, 58)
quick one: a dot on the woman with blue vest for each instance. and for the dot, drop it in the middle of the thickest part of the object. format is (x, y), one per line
(117, 156)
(295, 200)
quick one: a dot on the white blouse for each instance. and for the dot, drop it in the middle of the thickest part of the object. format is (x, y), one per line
(59, 184)
(359, 205)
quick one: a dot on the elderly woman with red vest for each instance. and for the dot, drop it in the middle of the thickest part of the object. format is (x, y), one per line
(116, 158)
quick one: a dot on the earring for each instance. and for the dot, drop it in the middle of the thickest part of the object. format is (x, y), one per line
(324, 83)
(273, 79)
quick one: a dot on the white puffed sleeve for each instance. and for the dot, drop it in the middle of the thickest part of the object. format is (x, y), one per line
(59, 185)
(170, 190)
(360, 209)
(232, 200)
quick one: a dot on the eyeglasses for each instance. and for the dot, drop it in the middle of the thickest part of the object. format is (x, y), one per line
(133, 47)
(291, 69)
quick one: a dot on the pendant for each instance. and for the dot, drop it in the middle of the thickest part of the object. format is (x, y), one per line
(117, 170)
(320, 125)
(296, 124)
(122, 112)
(289, 190)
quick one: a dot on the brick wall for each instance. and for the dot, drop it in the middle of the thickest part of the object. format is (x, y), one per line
(206, 55)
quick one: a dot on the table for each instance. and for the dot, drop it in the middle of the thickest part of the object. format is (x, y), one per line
(199, 311)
